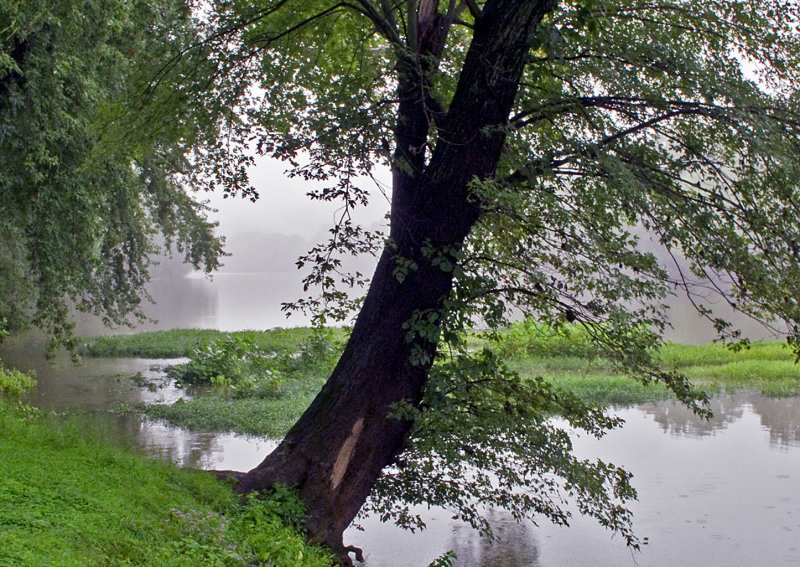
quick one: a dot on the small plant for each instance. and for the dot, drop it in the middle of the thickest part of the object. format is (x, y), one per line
(232, 362)
(204, 536)
(317, 353)
(14, 383)
(447, 559)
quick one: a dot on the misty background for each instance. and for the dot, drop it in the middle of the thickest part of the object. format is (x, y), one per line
(264, 240)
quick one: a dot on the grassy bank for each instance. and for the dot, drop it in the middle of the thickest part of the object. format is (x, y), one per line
(68, 497)
(270, 416)
(177, 343)
(766, 367)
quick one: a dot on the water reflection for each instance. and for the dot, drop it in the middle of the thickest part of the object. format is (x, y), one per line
(198, 450)
(718, 492)
(779, 416)
(515, 544)
(676, 419)
(230, 301)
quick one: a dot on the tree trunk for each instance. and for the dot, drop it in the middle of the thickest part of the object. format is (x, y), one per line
(336, 451)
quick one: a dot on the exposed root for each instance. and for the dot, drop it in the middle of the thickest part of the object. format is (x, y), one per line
(226, 476)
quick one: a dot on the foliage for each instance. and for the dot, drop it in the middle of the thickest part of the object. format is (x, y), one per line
(238, 364)
(116, 507)
(483, 435)
(263, 532)
(232, 362)
(531, 338)
(83, 200)
(175, 343)
(447, 559)
(14, 383)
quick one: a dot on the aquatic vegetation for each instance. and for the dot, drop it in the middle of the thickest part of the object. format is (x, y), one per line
(13, 382)
(236, 363)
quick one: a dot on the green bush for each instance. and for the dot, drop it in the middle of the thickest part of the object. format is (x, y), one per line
(530, 338)
(13, 382)
(233, 362)
(238, 364)
(317, 353)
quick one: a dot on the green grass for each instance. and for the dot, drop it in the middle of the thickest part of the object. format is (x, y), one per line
(680, 356)
(766, 367)
(267, 416)
(180, 342)
(69, 497)
(775, 378)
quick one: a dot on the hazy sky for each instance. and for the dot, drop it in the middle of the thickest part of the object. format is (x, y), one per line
(284, 208)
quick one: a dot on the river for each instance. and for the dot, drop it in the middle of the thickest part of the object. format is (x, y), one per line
(724, 492)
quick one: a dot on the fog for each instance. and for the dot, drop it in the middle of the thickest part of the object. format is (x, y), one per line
(265, 239)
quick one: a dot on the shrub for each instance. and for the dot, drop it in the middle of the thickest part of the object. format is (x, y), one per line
(530, 338)
(232, 362)
(317, 353)
(13, 382)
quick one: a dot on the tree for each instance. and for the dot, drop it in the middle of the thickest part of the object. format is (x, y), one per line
(82, 200)
(533, 146)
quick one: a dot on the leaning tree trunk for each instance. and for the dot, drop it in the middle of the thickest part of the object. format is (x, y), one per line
(336, 451)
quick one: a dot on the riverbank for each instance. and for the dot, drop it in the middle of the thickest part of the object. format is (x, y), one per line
(71, 496)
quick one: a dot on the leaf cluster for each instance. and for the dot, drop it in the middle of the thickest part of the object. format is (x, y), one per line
(483, 435)
(88, 198)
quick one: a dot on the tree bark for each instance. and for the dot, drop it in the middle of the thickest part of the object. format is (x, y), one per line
(338, 448)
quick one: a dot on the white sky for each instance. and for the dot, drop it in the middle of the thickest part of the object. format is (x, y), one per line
(284, 208)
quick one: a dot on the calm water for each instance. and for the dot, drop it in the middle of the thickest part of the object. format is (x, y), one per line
(720, 493)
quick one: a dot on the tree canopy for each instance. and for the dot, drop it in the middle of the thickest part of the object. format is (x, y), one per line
(675, 121)
(82, 199)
